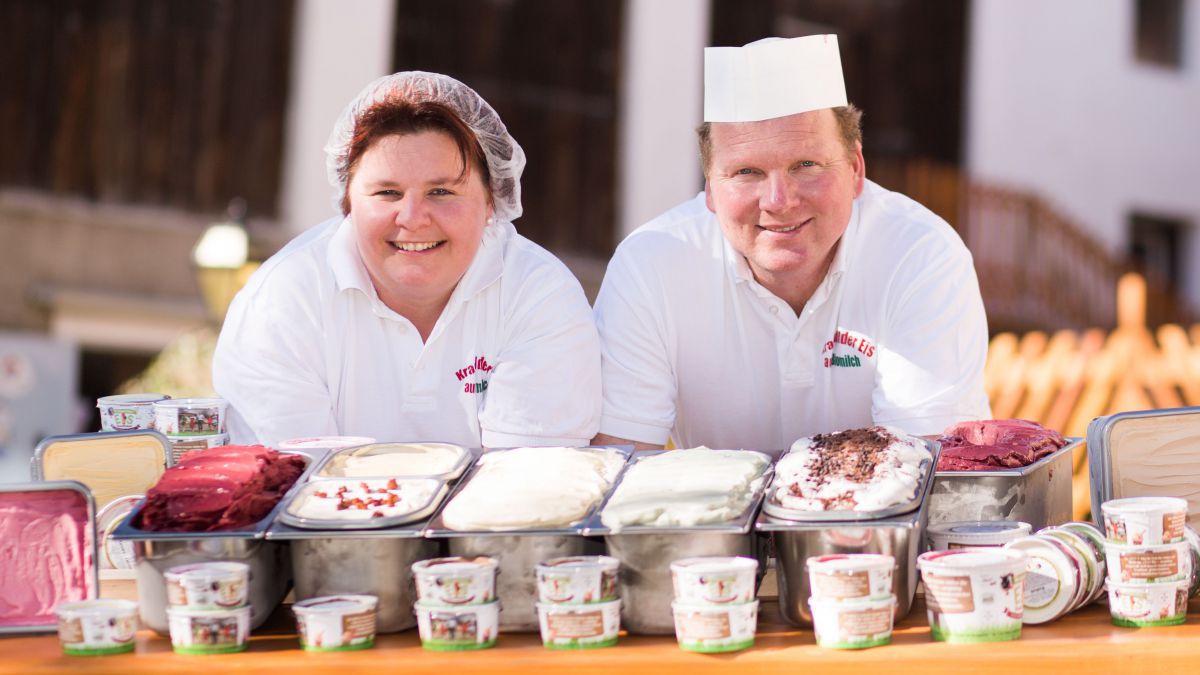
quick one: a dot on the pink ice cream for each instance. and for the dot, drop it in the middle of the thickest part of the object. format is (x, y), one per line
(996, 444)
(46, 549)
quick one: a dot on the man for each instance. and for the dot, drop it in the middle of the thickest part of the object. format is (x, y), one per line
(793, 296)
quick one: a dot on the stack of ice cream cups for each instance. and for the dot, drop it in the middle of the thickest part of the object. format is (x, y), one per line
(1150, 561)
(715, 607)
(128, 412)
(851, 599)
(577, 604)
(456, 603)
(207, 608)
(1065, 570)
(191, 423)
(974, 594)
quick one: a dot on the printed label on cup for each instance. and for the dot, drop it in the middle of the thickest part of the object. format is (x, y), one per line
(576, 625)
(842, 585)
(865, 622)
(1149, 565)
(948, 594)
(703, 626)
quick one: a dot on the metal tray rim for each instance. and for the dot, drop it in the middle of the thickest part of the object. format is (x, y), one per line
(436, 528)
(48, 486)
(39, 452)
(1016, 472)
(465, 460)
(316, 524)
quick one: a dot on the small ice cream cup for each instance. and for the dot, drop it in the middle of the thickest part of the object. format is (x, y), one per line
(853, 624)
(116, 554)
(854, 576)
(97, 627)
(1144, 521)
(458, 628)
(1142, 605)
(336, 623)
(974, 594)
(181, 445)
(208, 586)
(127, 412)
(1093, 570)
(1055, 580)
(456, 581)
(191, 416)
(1149, 564)
(578, 580)
(713, 629)
(975, 533)
(1193, 541)
(714, 580)
(579, 626)
(206, 631)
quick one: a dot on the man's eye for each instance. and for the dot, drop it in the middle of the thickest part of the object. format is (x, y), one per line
(744, 172)
(806, 164)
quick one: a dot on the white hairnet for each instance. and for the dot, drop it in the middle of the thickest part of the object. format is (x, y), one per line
(505, 159)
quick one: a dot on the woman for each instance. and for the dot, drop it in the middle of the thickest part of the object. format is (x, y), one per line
(421, 314)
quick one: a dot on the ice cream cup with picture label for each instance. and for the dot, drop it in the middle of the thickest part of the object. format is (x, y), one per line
(1148, 564)
(207, 631)
(1092, 572)
(715, 628)
(456, 581)
(714, 580)
(853, 576)
(214, 585)
(1053, 578)
(1142, 605)
(97, 627)
(336, 623)
(457, 628)
(974, 594)
(579, 626)
(853, 624)
(190, 416)
(577, 580)
(1144, 521)
(975, 533)
(127, 412)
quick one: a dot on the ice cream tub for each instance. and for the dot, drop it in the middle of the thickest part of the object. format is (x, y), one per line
(975, 533)
(443, 461)
(199, 631)
(1144, 605)
(116, 554)
(714, 580)
(127, 412)
(458, 628)
(578, 580)
(579, 626)
(853, 624)
(362, 503)
(40, 522)
(1148, 564)
(191, 416)
(213, 585)
(336, 623)
(181, 445)
(715, 628)
(111, 464)
(974, 595)
(1054, 581)
(97, 627)
(1144, 521)
(851, 576)
(456, 580)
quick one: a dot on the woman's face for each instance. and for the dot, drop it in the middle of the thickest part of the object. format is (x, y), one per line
(418, 217)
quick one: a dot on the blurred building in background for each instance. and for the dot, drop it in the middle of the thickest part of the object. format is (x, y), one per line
(1056, 137)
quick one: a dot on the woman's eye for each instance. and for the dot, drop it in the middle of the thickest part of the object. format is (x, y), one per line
(386, 193)
(440, 192)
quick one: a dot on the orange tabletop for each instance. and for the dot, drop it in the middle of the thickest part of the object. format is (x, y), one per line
(1081, 642)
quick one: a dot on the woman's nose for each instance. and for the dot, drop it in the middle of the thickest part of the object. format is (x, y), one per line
(409, 211)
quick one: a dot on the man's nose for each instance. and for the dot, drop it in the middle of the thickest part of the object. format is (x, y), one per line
(780, 193)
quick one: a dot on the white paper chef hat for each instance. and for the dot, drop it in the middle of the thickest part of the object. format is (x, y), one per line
(773, 77)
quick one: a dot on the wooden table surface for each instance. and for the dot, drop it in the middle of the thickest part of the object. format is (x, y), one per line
(1081, 642)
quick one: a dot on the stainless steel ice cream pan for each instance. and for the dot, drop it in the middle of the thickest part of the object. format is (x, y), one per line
(289, 513)
(91, 562)
(334, 464)
(776, 510)
(1039, 494)
(1146, 453)
(901, 537)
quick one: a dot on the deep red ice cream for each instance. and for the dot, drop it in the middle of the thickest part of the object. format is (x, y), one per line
(996, 444)
(218, 489)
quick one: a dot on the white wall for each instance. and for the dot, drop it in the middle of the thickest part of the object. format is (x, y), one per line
(338, 47)
(1057, 104)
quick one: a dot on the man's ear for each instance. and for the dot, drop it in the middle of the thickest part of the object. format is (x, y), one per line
(708, 199)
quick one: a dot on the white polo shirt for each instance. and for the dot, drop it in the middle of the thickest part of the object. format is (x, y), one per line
(308, 349)
(695, 349)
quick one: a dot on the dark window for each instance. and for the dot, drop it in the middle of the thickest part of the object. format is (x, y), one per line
(1155, 244)
(1160, 32)
(101, 373)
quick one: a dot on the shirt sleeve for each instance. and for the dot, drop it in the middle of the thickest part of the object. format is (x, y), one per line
(931, 362)
(270, 371)
(545, 389)
(640, 391)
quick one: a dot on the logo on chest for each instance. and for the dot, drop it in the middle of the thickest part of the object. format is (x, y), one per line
(474, 376)
(847, 349)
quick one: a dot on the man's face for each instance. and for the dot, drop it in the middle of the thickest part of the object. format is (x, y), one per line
(783, 190)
